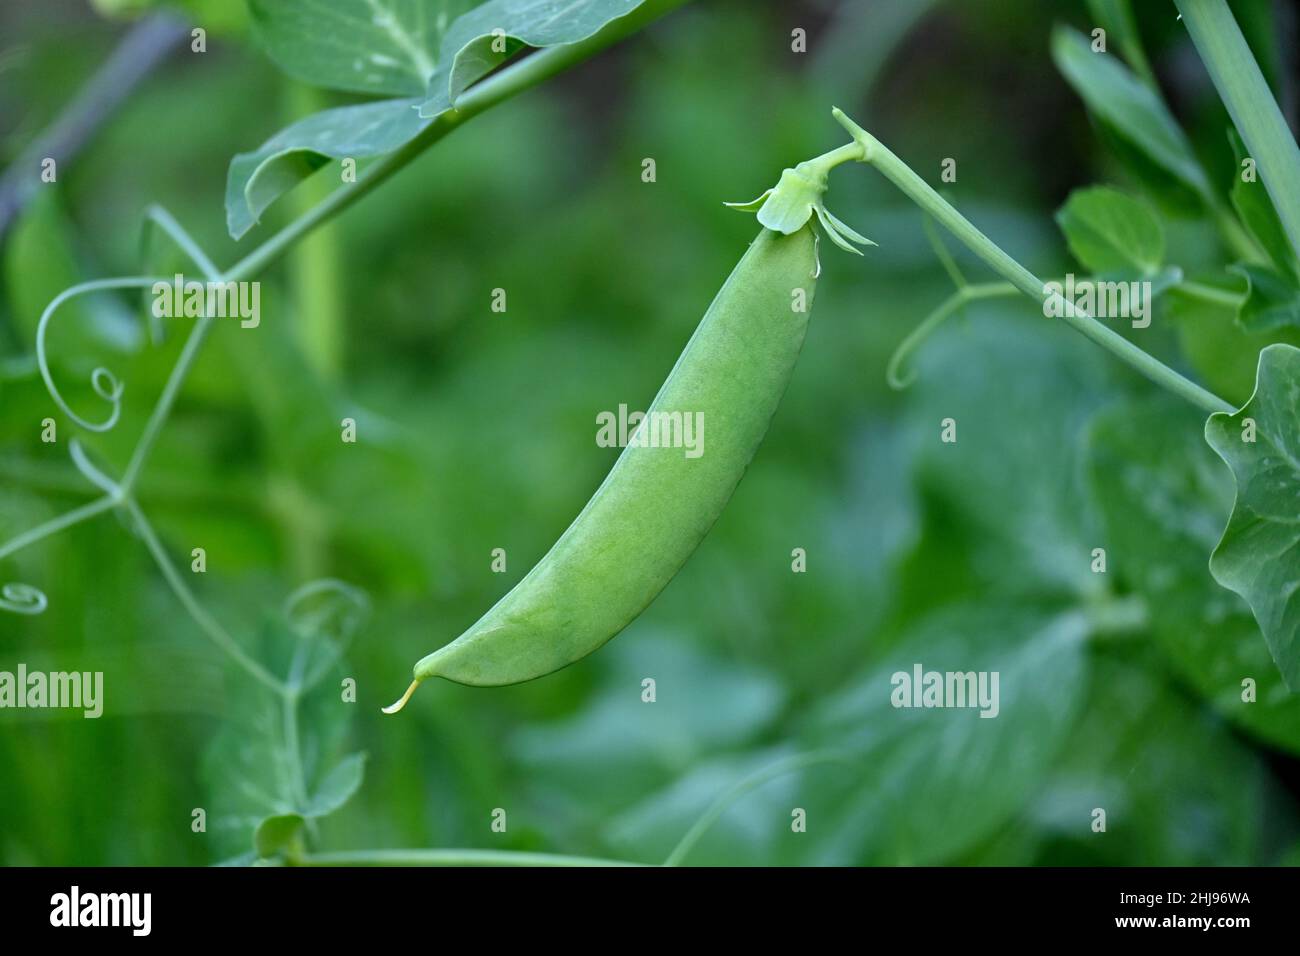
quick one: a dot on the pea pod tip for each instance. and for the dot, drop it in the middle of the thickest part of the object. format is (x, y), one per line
(401, 701)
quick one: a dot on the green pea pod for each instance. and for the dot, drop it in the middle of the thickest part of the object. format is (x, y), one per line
(657, 504)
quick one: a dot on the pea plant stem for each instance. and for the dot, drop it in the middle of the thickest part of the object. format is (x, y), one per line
(965, 294)
(525, 74)
(214, 631)
(1251, 105)
(520, 76)
(899, 376)
(934, 205)
(55, 525)
(1206, 293)
(163, 407)
(514, 79)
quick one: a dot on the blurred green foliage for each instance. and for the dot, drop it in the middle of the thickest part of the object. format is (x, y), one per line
(476, 432)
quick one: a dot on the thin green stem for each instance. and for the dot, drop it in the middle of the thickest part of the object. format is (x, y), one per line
(451, 858)
(163, 407)
(945, 257)
(291, 694)
(920, 192)
(1250, 103)
(55, 525)
(899, 377)
(315, 269)
(1208, 293)
(168, 224)
(964, 295)
(189, 353)
(207, 623)
(823, 164)
(1131, 46)
(514, 79)
(523, 75)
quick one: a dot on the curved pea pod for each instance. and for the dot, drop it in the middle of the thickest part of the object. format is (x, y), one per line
(657, 503)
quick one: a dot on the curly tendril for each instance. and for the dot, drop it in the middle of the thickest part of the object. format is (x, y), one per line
(104, 383)
(22, 599)
(325, 614)
(317, 605)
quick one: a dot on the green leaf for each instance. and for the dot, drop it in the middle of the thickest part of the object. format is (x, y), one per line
(1170, 811)
(1253, 205)
(925, 784)
(1164, 497)
(1249, 101)
(468, 52)
(465, 55)
(277, 753)
(1259, 553)
(1109, 231)
(257, 179)
(1127, 105)
(337, 786)
(1034, 530)
(1272, 300)
(1116, 17)
(1221, 351)
(381, 47)
(276, 834)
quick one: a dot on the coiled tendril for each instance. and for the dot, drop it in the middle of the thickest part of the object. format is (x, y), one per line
(104, 382)
(22, 599)
(325, 614)
(339, 612)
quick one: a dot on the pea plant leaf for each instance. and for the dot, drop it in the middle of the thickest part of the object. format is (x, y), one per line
(275, 835)
(487, 36)
(1272, 300)
(380, 47)
(1128, 107)
(1035, 531)
(1259, 553)
(277, 757)
(1140, 749)
(1164, 497)
(1251, 201)
(457, 54)
(259, 178)
(921, 785)
(1111, 232)
(1116, 17)
(367, 46)
(337, 786)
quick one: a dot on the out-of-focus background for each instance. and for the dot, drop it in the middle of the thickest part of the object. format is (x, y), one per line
(1120, 691)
